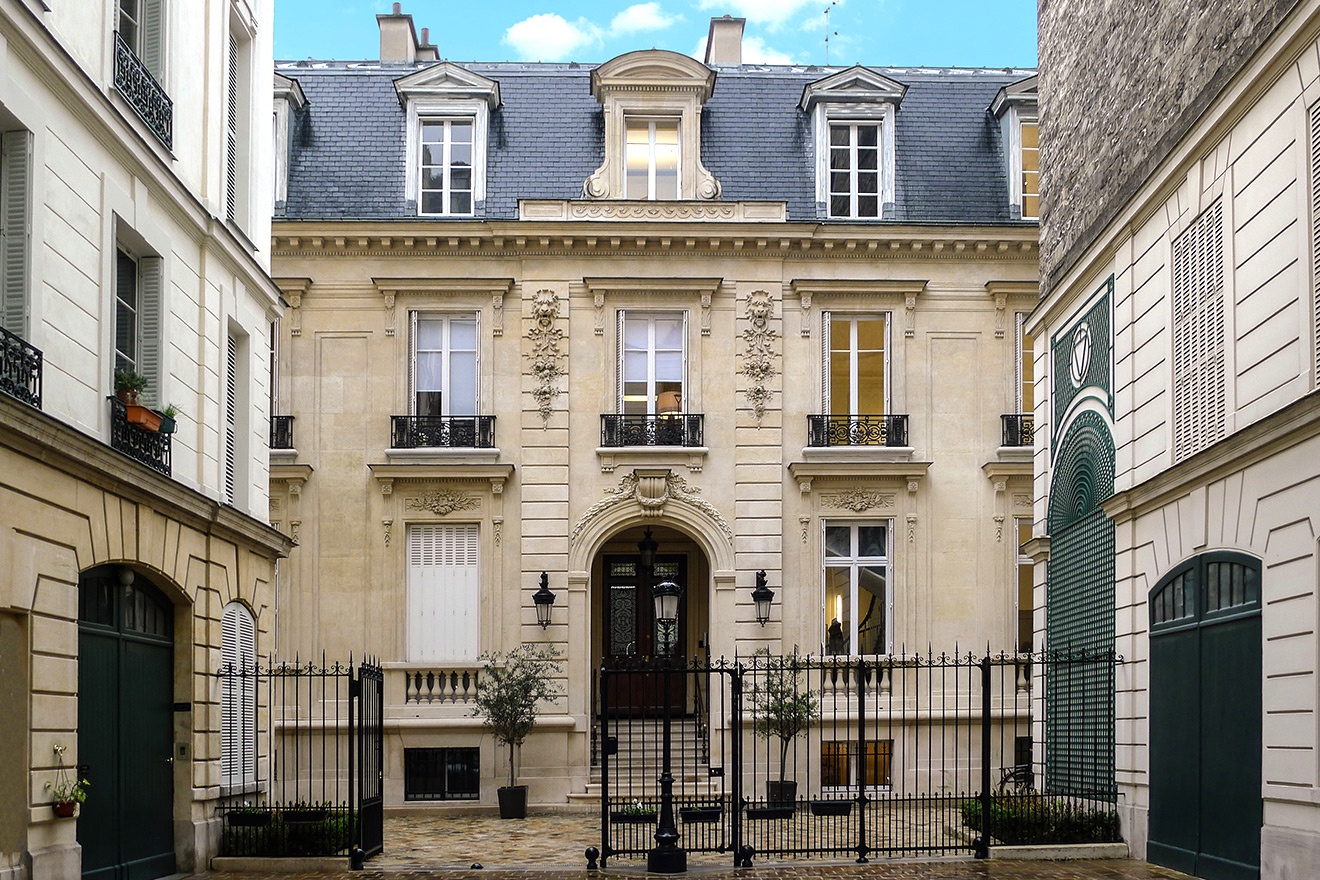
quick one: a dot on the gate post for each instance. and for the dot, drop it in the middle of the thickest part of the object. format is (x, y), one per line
(735, 752)
(981, 844)
(605, 750)
(862, 799)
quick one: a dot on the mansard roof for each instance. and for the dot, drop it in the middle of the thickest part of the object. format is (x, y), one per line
(547, 137)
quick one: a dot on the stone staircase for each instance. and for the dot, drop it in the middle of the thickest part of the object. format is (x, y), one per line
(635, 768)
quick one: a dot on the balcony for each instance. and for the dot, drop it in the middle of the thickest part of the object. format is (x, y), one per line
(1019, 429)
(442, 432)
(140, 89)
(677, 429)
(20, 369)
(151, 448)
(281, 432)
(858, 430)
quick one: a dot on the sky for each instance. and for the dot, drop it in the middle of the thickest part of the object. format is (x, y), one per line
(882, 33)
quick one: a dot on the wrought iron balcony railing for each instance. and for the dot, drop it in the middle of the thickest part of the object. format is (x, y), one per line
(678, 429)
(151, 448)
(859, 430)
(281, 432)
(446, 432)
(1019, 429)
(146, 96)
(20, 369)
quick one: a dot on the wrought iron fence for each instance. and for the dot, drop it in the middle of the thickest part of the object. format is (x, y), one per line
(302, 759)
(20, 368)
(901, 755)
(445, 432)
(146, 96)
(151, 448)
(1018, 429)
(281, 432)
(857, 430)
(677, 429)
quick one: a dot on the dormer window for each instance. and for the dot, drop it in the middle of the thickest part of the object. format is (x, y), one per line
(853, 116)
(448, 119)
(1015, 107)
(652, 104)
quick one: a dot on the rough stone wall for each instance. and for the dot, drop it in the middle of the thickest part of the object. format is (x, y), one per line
(1120, 84)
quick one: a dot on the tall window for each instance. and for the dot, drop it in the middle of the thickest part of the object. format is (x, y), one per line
(238, 103)
(652, 159)
(652, 362)
(856, 366)
(15, 228)
(1026, 368)
(444, 594)
(858, 603)
(1029, 183)
(231, 417)
(444, 365)
(1199, 393)
(141, 25)
(446, 166)
(138, 318)
(1025, 590)
(238, 696)
(854, 169)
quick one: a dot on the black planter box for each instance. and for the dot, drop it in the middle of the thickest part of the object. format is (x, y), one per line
(701, 814)
(632, 818)
(831, 808)
(769, 812)
(248, 819)
(513, 801)
(304, 817)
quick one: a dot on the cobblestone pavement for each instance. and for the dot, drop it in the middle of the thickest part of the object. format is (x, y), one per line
(550, 847)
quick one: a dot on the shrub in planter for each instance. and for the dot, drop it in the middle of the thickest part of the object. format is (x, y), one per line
(509, 690)
(1040, 819)
(781, 709)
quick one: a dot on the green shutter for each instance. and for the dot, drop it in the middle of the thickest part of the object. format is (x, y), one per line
(15, 228)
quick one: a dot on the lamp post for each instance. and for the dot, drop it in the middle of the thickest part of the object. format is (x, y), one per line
(545, 600)
(667, 857)
(762, 596)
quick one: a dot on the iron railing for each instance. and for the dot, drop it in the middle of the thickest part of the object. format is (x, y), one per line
(281, 432)
(151, 448)
(902, 755)
(857, 430)
(1019, 429)
(146, 96)
(446, 432)
(20, 368)
(618, 429)
(301, 759)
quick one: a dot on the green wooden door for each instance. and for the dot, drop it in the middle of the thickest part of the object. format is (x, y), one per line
(125, 728)
(1205, 710)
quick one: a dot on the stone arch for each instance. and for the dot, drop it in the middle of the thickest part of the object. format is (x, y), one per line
(710, 532)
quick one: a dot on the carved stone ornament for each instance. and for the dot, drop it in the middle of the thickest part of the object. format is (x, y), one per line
(758, 351)
(858, 500)
(545, 355)
(442, 502)
(651, 489)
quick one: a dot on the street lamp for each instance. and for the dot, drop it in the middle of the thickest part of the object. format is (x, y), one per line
(667, 857)
(544, 600)
(762, 596)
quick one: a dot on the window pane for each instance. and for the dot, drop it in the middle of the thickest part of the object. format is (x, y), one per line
(460, 132)
(433, 203)
(635, 400)
(868, 182)
(460, 203)
(840, 161)
(868, 206)
(430, 334)
(433, 178)
(433, 132)
(463, 384)
(834, 763)
(838, 610)
(871, 334)
(433, 154)
(1030, 135)
(838, 541)
(634, 367)
(463, 334)
(840, 182)
(871, 610)
(1028, 375)
(669, 333)
(871, 382)
(460, 178)
(868, 160)
(428, 403)
(839, 206)
(868, 135)
(668, 366)
(839, 135)
(871, 541)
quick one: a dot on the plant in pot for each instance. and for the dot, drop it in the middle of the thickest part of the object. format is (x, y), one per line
(167, 418)
(509, 689)
(781, 709)
(129, 386)
(66, 794)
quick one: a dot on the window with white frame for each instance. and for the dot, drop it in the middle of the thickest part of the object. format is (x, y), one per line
(858, 602)
(1026, 603)
(445, 166)
(444, 593)
(652, 362)
(652, 158)
(854, 177)
(444, 364)
(1015, 108)
(1026, 368)
(1028, 182)
(1199, 393)
(15, 228)
(856, 365)
(137, 309)
(238, 696)
(141, 25)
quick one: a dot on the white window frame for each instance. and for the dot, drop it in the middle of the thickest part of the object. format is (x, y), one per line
(446, 165)
(650, 122)
(436, 110)
(446, 399)
(1020, 177)
(854, 170)
(289, 98)
(148, 41)
(1023, 357)
(853, 563)
(443, 609)
(1022, 561)
(238, 696)
(649, 315)
(825, 114)
(147, 319)
(827, 318)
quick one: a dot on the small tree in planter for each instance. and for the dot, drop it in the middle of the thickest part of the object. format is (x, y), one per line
(781, 709)
(510, 687)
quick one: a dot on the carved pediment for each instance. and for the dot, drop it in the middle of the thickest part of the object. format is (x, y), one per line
(856, 85)
(652, 69)
(448, 80)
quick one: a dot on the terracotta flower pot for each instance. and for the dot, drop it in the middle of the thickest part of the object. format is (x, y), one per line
(64, 809)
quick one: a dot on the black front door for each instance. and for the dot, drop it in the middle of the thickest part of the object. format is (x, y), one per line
(125, 727)
(632, 634)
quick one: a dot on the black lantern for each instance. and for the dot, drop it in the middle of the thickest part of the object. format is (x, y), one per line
(646, 550)
(544, 600)
(666, 595)
(762, 596)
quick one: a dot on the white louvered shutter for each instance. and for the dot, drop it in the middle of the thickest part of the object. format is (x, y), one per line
(1315, 232)
(825, 363)
(620, 319)
(15, 228)
(150, 321)
(152, 23)
(238, 697)
(1198, 335)
(231, 133)
(231, 417)
(412, 363)
(444, 593)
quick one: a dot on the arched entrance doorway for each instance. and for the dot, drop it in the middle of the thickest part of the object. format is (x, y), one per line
(125, 725)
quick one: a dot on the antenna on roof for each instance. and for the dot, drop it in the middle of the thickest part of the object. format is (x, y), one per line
(833, 3)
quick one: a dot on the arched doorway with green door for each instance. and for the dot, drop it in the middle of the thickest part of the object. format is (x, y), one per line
(125, 725)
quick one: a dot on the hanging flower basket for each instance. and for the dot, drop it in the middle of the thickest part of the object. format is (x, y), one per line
(65, 809)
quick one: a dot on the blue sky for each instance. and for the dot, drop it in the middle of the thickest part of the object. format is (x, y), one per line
(933, 33)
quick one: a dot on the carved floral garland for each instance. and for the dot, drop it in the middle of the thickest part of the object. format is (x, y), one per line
(545, 354)
(759, 356)
(442, 502)
(631, 488)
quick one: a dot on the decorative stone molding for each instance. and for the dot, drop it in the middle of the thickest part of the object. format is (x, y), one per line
(546, 357)
(805, 522)
(912, 528)
(293, 290)
(498, 523)
(1001, 291)
(391, 289)
(850, 293)
(442, 502)
(651, 490)
(999, 528)
(388, 524)
(704, 288)
(654, 212)
(758, 355)
(858, 500)
(1022, 502)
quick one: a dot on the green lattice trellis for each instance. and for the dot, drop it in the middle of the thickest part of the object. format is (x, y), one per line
(1097, 374)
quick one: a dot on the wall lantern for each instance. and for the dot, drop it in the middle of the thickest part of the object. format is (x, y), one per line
(666, 595)
(544, 600)
(646, 549)
(762, 596)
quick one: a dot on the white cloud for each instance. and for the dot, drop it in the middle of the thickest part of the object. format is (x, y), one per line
(771, 13)
(548, 37)
(754, 51)
(641, 17)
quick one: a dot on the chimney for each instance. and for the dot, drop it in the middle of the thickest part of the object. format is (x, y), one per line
(398, 39)
(724, 42)
(426, 50)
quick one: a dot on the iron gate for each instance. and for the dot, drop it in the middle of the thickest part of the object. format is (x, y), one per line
(301, 759)
(800, 756)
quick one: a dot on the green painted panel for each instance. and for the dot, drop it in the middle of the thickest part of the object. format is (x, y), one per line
(1082, 358)
(98, 725)
(1175, 750)
(146, 713)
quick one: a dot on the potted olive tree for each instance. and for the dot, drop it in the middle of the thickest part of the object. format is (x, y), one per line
(509, 689)
(781, 709)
